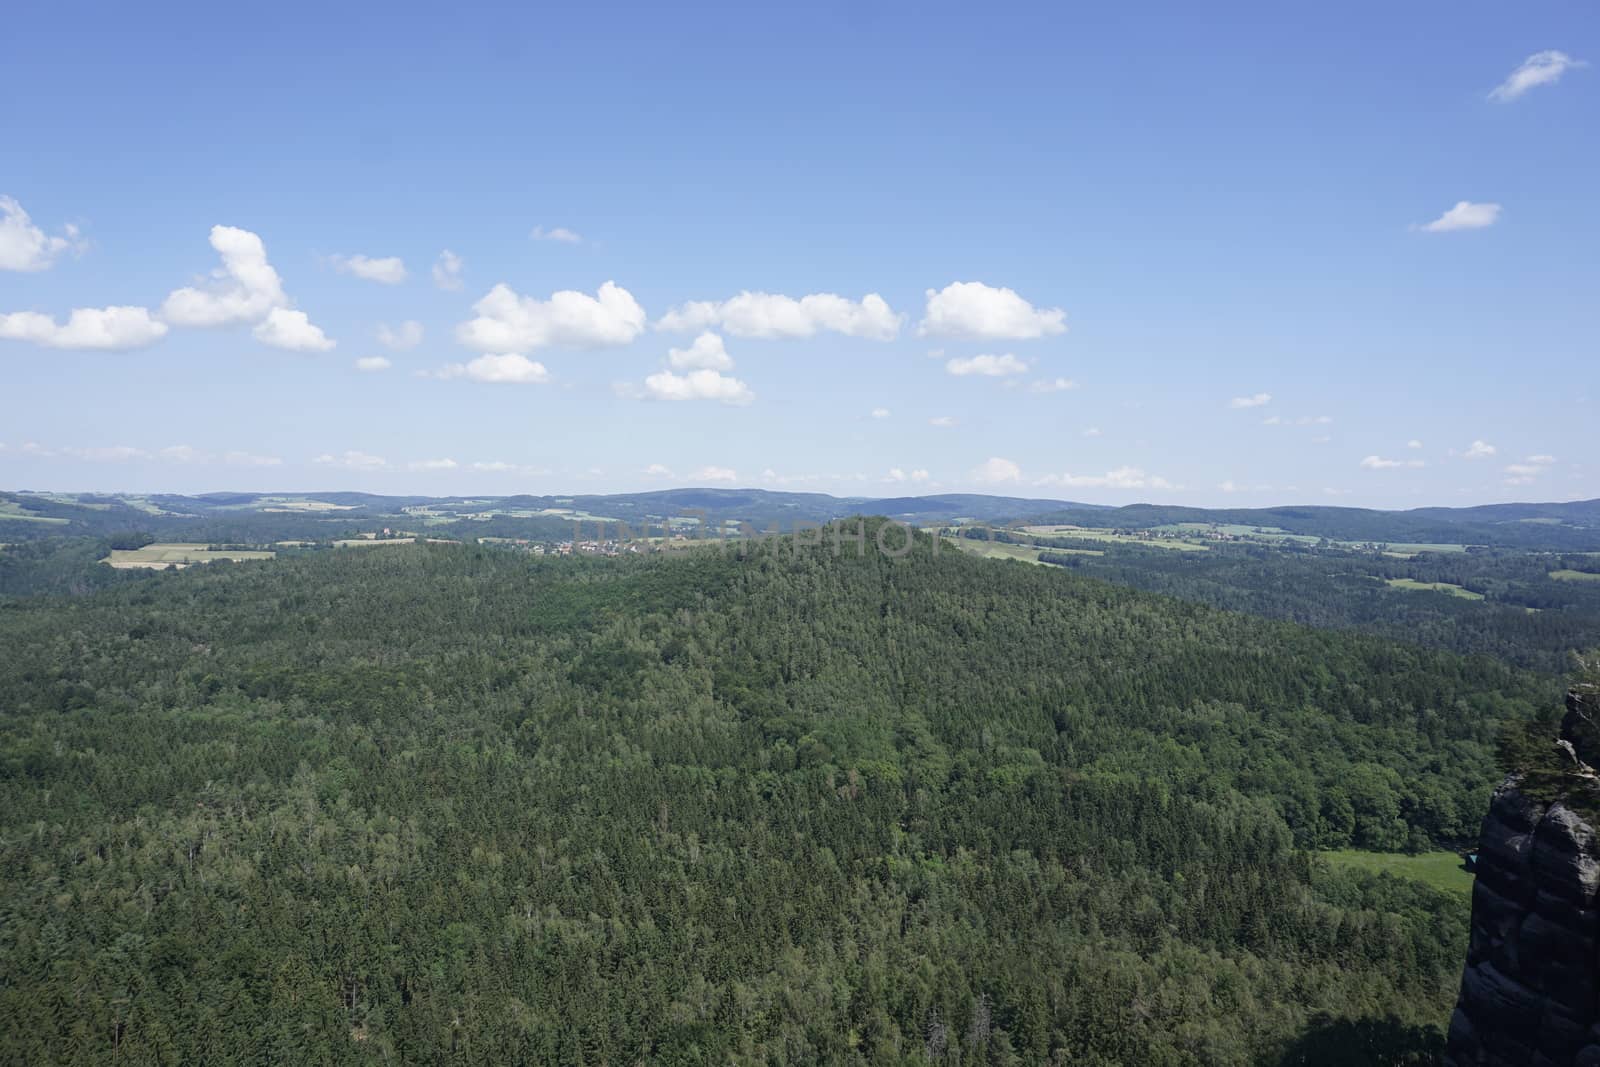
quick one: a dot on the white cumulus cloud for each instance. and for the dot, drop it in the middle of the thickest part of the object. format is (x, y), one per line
(943, 421)
(698, 385)
(390, 270)
(445, 464)
(1479, 450)
(103, 328)
(507, 321)
(283, 328)
(1464, 216)
(982, 312)
(706, 353)
(1052, 385)
(773, 315)
(989, 366)
(508, 368)
(373, 363)
(1253, 401)
(880, 413)
(24, 246)
(716, 474)
(1541, 68)
(997, 470)
(244, 289)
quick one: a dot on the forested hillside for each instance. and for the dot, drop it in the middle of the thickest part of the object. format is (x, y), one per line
(1500, 603)
(442, 803)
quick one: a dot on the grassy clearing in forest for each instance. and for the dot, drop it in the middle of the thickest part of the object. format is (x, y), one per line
(10, 509)
(1079, 533)
(175, 554)
(1575, 576)
(1436, 587)
(1025, 553)
(1408, 548)
(1442, 870)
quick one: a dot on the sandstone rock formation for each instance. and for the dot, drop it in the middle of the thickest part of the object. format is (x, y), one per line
(1529, 991)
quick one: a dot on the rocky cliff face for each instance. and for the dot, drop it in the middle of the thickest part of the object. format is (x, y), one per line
(1529, 991)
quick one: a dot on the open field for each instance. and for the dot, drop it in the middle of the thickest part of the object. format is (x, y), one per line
(1442, 870)
(1407, 549)
(303, 505)
(11, 510)
(1025, 553)
(68, 498)
(1233, 529)
(1436, 587)
(1575, 576)
(149, 507)
(161, 556)
(1080, 533)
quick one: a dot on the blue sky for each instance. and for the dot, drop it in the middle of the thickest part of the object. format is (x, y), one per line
(1178, 209)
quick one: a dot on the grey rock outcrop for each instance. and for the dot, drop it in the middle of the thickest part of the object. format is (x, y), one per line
(1529, 990)
(1581, 725)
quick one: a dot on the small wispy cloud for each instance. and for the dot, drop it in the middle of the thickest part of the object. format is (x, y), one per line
(556, 233)
(447, 271)
(406, 335)
(1541, 68)
(1254, 401)
(1466, 215)
(1529, 469)
(354, 460)
(716, 474)
(389, 270)
(1120, 478)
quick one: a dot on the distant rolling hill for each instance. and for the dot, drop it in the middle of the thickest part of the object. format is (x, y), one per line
(1573, 526)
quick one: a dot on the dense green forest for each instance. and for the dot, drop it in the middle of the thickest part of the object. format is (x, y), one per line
(451, 804)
